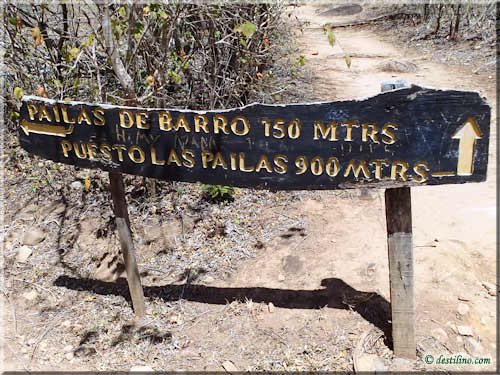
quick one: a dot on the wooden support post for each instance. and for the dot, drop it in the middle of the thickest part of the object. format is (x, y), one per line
(400, 247)
(127, 245)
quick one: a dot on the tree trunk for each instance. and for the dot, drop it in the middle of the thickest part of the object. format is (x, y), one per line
(112, 48)
(438, 19)
(457, 21)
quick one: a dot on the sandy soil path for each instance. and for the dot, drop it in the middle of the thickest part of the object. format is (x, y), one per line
(454, 226)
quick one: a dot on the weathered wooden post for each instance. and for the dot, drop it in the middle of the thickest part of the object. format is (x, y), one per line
(400, 248)
(123, 224)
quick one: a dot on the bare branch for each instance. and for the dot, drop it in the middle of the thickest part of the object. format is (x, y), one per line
(114, 55)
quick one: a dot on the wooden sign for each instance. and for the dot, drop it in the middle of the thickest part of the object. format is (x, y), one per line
(412, 136)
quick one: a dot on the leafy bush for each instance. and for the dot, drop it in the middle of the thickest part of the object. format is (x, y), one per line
(173, 54)
(219, 192)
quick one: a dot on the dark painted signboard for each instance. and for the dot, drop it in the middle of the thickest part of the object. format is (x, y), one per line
(412, 136)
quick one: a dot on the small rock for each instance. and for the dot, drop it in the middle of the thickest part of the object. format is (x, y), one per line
(76, 328)
(188, 222)
(23, 254)
(259, 244)
(76, 185)
(379, 365)
(465, 331)
(473, 347)
(209, 280)
(152, 234)
(440, 334)
(401, 365)
(369, 363)
(60, 208)
(31, 295)
(463, 308)
(176, 319)
(69, 356)
(452, 326)
(229, 366)
(484, 320)
(490, 288)
(33, 237)
(398, 66)
(271, 307)
(281, 277)
(141, 369)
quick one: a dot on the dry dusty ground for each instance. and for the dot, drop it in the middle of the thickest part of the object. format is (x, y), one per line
(284, 281)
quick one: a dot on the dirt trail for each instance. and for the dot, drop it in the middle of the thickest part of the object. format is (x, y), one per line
(454, 226)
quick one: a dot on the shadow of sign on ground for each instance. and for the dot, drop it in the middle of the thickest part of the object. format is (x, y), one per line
(336, 294)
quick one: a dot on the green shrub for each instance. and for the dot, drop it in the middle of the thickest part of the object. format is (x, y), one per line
(219, 192)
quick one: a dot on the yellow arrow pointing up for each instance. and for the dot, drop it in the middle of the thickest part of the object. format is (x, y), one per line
(467, 134)
(57, 130)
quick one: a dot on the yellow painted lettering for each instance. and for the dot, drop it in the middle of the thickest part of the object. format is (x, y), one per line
(119, 149)
(44, 114)
(99, 118)
(332, 166)
(92, 150)
(200, 122)
(83, 116)
(80, 150)
(165, 121)
(154, 157)
(349, 125)
(219, 161)
(173, 158)
(326, 132)
(65, 116)
(32, 111)
(136, 154)
(126, 119)
(243, 167)
(182, 123)
(234, 161)
(280, 163)
(206, 157)
(421, 169)
(379, 163)
(141, 120)
(66, 147)
(245, 125)
(188, 157)
(390, 134)
(105, 150)
(399, 168)
(263, 163)
(220, 123)
(357, 169)
(369, 130)
(55, 109)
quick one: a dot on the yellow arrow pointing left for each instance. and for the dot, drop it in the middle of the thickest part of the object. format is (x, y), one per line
(57, 130)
